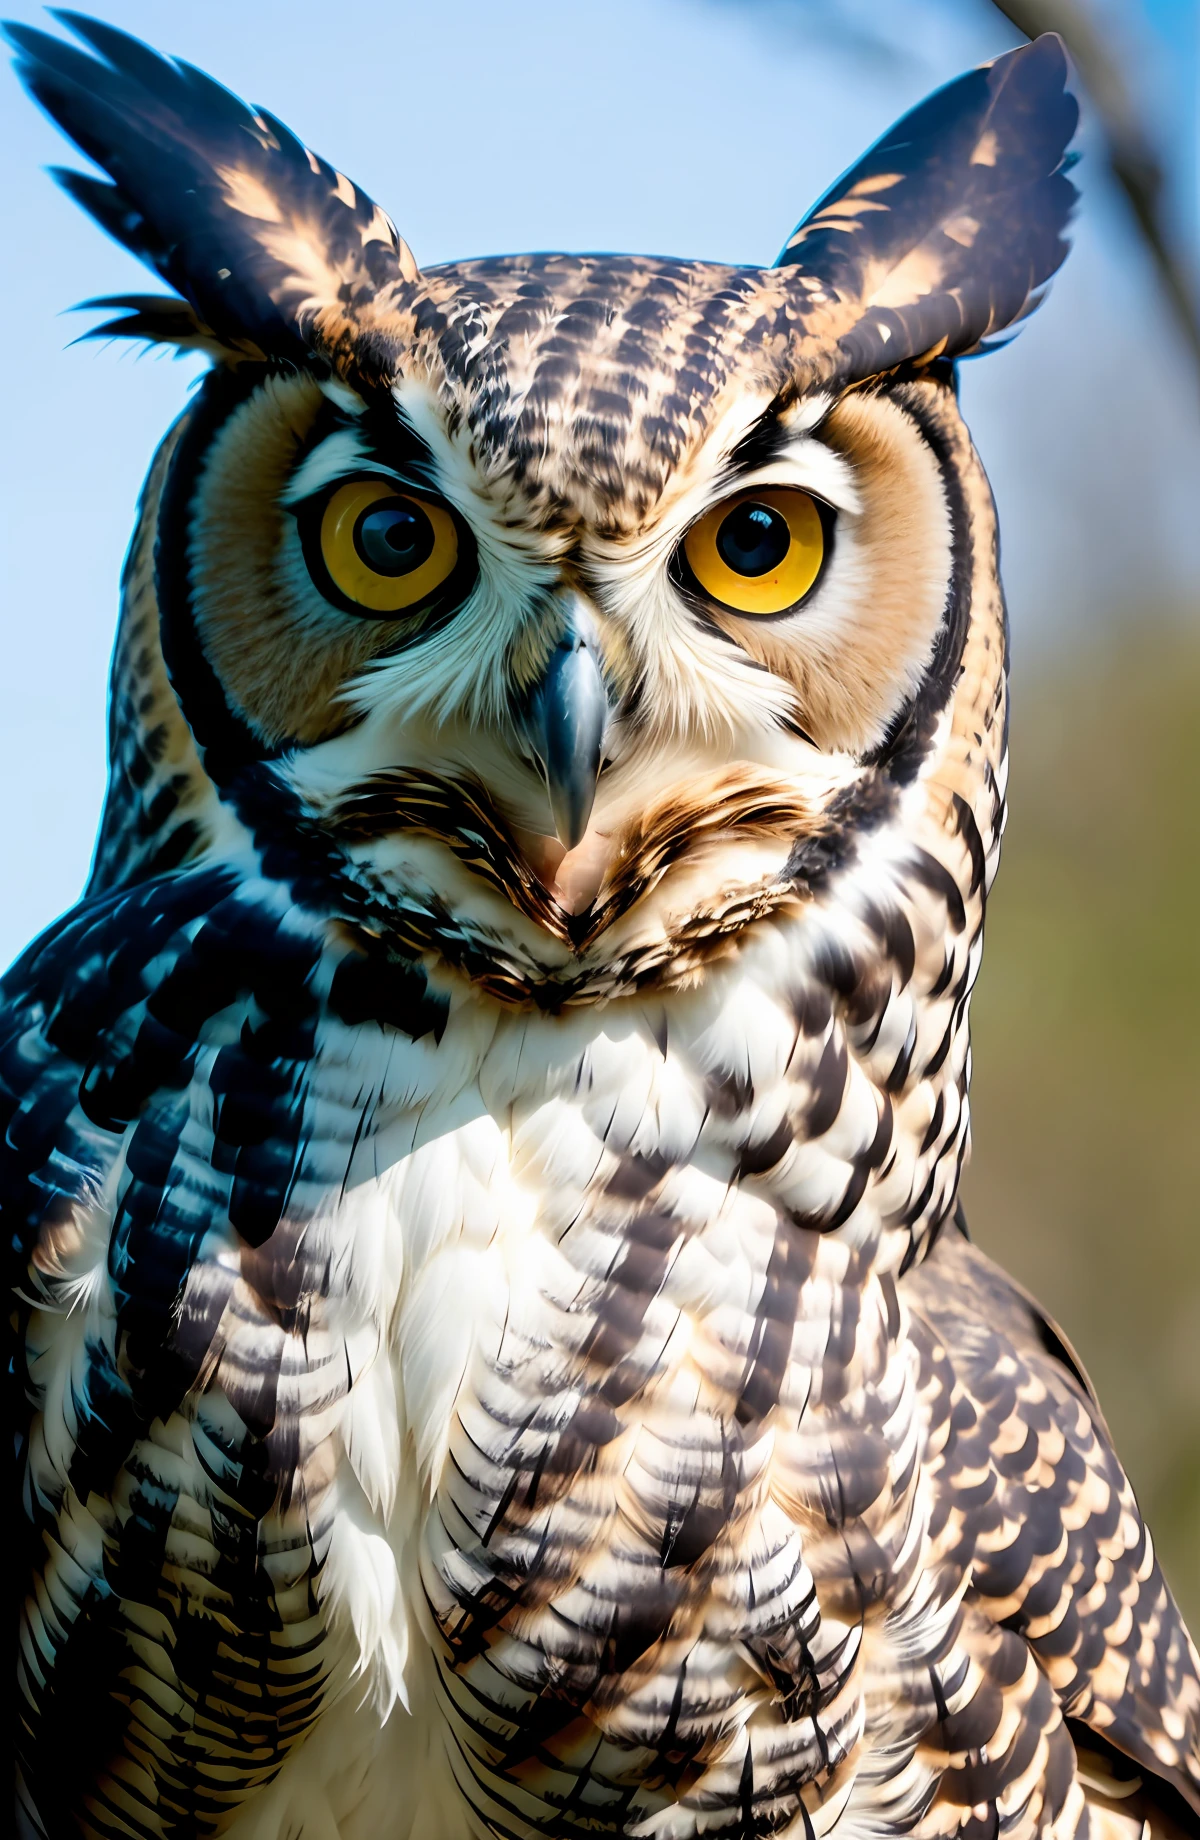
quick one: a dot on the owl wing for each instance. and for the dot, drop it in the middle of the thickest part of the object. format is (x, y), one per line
(163, 1152)
(1033, 1502)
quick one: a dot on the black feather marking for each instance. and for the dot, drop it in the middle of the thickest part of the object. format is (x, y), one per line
(227, 740)
(372, 984)
(160, 319)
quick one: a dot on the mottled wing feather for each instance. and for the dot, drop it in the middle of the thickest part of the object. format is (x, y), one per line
(176, 1363)
(944, 232)
(1031, 1496)
(272, 248)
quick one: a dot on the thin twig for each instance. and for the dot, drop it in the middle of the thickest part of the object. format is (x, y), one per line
(1132, 156)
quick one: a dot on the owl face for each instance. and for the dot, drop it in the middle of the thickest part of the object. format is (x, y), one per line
(545, 607)
(570, 599)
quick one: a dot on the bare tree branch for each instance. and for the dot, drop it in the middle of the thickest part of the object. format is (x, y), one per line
(1132, 156)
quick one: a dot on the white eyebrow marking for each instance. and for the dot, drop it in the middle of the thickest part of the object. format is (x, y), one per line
(346, 399)
(806, 414)
(341, 453)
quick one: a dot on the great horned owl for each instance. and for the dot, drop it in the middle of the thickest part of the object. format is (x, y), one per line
(502, 1353)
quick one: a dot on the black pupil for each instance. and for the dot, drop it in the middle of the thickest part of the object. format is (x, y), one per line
(753, 539)
(394, 538)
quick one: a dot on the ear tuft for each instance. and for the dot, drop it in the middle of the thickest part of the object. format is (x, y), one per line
(273, 250)
(947, 231)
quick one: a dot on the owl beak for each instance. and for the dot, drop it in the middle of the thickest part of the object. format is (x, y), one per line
(568, 715)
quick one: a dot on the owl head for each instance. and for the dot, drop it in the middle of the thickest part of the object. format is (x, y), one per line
(559, 618)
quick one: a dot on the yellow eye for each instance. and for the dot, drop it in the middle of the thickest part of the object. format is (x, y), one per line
(385, 550)
(760, 552)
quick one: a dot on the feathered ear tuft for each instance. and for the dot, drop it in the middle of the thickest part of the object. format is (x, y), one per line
(948, 230)
(274, 251)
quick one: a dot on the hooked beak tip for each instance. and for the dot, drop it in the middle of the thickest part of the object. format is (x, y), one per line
(569, 717)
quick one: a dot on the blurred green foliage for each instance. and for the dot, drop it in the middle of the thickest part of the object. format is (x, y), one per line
(1085, 1177)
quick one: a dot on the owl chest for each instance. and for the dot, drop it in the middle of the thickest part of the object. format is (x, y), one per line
(592, 1199)
(584, 1197)
(586, 1242)
(642, 1378)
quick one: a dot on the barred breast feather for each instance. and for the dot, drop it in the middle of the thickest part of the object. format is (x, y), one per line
(571, 1376)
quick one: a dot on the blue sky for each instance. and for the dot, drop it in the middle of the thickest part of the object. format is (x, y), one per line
(693, 127)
